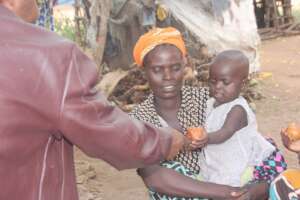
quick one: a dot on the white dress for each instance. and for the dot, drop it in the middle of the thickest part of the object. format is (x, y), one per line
(225, 163)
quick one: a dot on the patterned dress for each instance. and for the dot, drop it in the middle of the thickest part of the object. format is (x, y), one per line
(191, 113)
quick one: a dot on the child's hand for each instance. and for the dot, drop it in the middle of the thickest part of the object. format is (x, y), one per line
(199, 143)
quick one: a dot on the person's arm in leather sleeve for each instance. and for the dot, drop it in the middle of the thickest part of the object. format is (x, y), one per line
(170, 182)
(101, 130)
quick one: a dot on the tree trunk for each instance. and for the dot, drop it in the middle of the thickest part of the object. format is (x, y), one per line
(97, 28)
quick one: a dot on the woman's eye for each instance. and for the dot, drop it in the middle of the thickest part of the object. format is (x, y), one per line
(211, 81)
(176, 67)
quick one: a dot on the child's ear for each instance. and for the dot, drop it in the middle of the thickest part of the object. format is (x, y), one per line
(245, 83)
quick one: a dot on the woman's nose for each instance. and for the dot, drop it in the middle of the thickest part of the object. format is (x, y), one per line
(167, 74)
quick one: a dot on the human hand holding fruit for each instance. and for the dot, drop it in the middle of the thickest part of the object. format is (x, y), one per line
(198, 136)
(179, 142)
(291, 137)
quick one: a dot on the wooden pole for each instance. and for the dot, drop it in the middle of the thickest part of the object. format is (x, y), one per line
(99, 13)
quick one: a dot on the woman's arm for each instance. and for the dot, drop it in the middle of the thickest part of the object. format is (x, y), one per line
(235, 120)
(170, 182)
(258, 191)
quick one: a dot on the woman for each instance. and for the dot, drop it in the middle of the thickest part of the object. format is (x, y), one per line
(161, 52)
(287, 185)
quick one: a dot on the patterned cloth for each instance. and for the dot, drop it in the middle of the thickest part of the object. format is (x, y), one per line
(155, 37)
(191, 113)
(270, 168)
(46, 14)
(286, 186)
(182, 170)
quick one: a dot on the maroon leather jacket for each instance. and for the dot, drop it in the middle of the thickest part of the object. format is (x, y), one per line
(47, 106)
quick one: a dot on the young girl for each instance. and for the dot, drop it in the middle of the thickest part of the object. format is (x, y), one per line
(234, 144)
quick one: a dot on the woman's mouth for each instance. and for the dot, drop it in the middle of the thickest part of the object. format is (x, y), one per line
(169, 88)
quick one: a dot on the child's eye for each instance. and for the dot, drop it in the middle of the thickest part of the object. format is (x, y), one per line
(156, 69)
(226, 82)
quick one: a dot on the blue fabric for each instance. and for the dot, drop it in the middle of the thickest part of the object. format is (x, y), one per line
(180, 169)
(65, 2)
(46, 18)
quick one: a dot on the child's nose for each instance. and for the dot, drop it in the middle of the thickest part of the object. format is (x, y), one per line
(218, 85)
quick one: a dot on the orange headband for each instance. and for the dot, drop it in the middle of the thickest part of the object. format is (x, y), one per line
(155, 37)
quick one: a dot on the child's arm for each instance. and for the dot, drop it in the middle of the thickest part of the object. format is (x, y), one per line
(235, 120)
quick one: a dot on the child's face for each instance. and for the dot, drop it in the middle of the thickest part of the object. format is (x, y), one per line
(225, 81)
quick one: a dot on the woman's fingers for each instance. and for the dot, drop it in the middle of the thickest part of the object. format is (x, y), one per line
(239, 192)
(242, 194)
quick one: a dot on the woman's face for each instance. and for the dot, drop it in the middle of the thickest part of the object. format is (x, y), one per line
(164, 68)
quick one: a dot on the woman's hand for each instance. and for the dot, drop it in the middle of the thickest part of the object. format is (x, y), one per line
(253, 191)
(240, 194)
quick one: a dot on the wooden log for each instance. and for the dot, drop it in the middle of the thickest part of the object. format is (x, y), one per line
(264, 30)
(292, 27)
(290, 33)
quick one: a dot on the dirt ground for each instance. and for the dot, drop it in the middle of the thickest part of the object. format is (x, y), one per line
(280, 105)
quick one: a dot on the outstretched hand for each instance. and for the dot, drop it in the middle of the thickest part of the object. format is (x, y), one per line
(179, 142)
